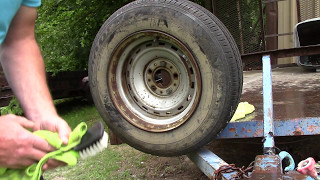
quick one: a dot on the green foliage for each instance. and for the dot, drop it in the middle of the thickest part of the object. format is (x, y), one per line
(65, 30)
(12, 108)
(242, 18)
(200, 2)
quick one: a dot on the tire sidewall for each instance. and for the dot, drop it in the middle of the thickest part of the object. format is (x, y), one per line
(210, 116)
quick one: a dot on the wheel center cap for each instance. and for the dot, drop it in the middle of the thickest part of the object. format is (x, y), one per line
(162, 77)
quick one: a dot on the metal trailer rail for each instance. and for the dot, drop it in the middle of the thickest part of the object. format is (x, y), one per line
(268, 165)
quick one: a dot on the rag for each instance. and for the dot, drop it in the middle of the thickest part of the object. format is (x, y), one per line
(64, 153)
(243, 109)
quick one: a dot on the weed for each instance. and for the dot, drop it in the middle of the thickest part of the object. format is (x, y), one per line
(12, 108)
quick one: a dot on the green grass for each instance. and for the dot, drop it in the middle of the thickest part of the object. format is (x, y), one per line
(101, 166)
(115, 162)
(75, 111)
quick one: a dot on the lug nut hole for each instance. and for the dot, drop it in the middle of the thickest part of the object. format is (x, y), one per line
(175, 76)
(153, 88)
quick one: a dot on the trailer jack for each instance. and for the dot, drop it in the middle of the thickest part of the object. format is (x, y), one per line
(267, 166)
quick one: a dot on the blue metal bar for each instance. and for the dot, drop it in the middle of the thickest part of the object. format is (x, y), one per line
(208, 162)
(267, 166)
(290, 127)
(268, 144)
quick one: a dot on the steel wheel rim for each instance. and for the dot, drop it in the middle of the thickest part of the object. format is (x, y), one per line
(154, 81)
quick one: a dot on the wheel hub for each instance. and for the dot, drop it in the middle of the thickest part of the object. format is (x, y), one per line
(155, 81)
(162, 77)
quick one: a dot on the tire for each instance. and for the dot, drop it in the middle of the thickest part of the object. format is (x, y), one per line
(165, 75)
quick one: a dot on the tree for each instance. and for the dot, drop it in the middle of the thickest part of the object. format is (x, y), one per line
(65, 30)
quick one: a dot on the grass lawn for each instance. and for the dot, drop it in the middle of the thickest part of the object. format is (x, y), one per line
(105, 165)
(118, 161)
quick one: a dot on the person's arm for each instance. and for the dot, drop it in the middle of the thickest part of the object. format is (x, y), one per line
(24, 69)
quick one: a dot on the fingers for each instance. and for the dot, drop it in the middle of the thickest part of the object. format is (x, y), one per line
(20, 120)
(64, 131)
(25, 123)
(23, 163)
(52, 164)
(41, 144)
(40, 149)
(55, 124)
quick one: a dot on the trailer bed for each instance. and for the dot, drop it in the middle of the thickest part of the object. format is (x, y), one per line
(296, 104)
(295, 93)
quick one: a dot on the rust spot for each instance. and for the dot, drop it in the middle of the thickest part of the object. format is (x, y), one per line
(312, 128)
(232, 130)
(270, 113)
(267, 167)
(258, 133)
(298, 131)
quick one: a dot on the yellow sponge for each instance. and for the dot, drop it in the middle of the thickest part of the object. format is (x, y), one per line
(243, 109)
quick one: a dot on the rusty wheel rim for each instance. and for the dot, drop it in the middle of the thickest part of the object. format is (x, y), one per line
(154, 81)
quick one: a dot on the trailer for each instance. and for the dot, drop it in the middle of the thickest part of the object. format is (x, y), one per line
(280, 114)
(166, 77)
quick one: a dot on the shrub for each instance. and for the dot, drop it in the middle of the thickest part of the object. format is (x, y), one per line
(65, 30)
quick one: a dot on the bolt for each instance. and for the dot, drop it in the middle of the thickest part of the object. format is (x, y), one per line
(184, 57)
(189, 98)
(169, 91)
(153, 88)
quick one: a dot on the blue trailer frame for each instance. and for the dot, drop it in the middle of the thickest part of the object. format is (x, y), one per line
(267, 165)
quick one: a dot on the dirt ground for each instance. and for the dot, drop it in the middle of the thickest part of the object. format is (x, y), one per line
(158, 168)
(173, 168)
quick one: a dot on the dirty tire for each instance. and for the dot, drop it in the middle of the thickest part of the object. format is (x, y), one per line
(165, 75)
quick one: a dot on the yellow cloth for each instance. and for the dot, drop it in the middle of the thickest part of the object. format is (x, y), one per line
(243, 109)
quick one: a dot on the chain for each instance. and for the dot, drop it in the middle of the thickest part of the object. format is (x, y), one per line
(241, 172)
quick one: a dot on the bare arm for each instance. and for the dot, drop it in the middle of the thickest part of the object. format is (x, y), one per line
(24, 69)
(23, 65)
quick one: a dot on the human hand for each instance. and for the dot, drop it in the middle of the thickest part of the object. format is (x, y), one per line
(53, 123)
(18, 146)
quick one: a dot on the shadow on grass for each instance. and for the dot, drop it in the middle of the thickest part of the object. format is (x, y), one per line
(76, 110)
(64, 106)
